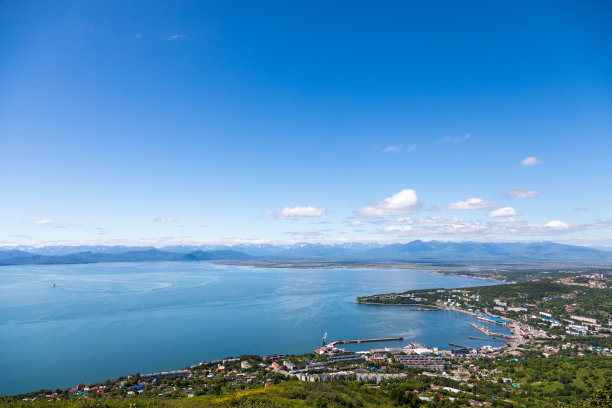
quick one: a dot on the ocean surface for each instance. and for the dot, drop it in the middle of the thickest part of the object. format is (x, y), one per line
(105, 320)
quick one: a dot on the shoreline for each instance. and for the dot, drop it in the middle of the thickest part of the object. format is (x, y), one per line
(450, 272)
(399, 304)
(510, 326)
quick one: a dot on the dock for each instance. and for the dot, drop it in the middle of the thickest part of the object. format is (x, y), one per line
(492, 320)
(333, 343)
(482, 329)
(486, 331)
(482, 338)
(459, 346)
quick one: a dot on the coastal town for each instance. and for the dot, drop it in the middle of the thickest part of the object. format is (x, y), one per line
(536, 309)
(537, 333)
(460, 376)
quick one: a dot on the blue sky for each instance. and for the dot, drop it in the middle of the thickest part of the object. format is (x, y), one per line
(184, 122)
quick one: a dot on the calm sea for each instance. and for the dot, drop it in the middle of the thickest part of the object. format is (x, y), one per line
(102, 321)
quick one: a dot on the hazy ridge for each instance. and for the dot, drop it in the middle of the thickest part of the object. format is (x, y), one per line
(413, 251)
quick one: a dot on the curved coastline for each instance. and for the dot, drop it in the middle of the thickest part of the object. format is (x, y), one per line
(399, 304)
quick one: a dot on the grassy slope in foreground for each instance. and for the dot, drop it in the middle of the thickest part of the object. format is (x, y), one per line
(335, 394)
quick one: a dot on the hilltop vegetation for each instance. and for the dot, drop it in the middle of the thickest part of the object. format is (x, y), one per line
(339, 394)
(569, 380)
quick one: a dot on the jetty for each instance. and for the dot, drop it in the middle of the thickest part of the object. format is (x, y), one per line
(486, 331)
(459, 346)
(495, 320)
(333, 343)
(483, 338)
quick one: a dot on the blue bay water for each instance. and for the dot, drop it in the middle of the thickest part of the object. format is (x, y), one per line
(102, 321)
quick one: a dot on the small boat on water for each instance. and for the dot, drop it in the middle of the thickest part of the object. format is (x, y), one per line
(53, 285)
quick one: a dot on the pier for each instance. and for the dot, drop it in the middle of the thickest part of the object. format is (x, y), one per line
(459, 346)
(492, 320)
(482, 338)
(333, 343)
(486, 331)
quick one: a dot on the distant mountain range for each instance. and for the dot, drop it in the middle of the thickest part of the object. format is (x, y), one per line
(415, 251)
(25, 258)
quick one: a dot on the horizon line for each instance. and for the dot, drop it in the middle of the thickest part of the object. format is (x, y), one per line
(251, 242)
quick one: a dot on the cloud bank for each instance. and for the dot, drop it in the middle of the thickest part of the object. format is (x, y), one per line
(469, 204)
(476, 229)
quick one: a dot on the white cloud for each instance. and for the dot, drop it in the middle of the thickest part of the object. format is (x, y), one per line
(298, 211)
(469, 204)
(530, 161)
(356, 224)
(504, 212)
(400, 148)
(138, 35)
(455, 140)
(520, 193)
(203, 226)
(558, 225)
(46, 222)
(164, 219)
(404, 202)
(55, 223)
(173, 37)
(402, 229)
